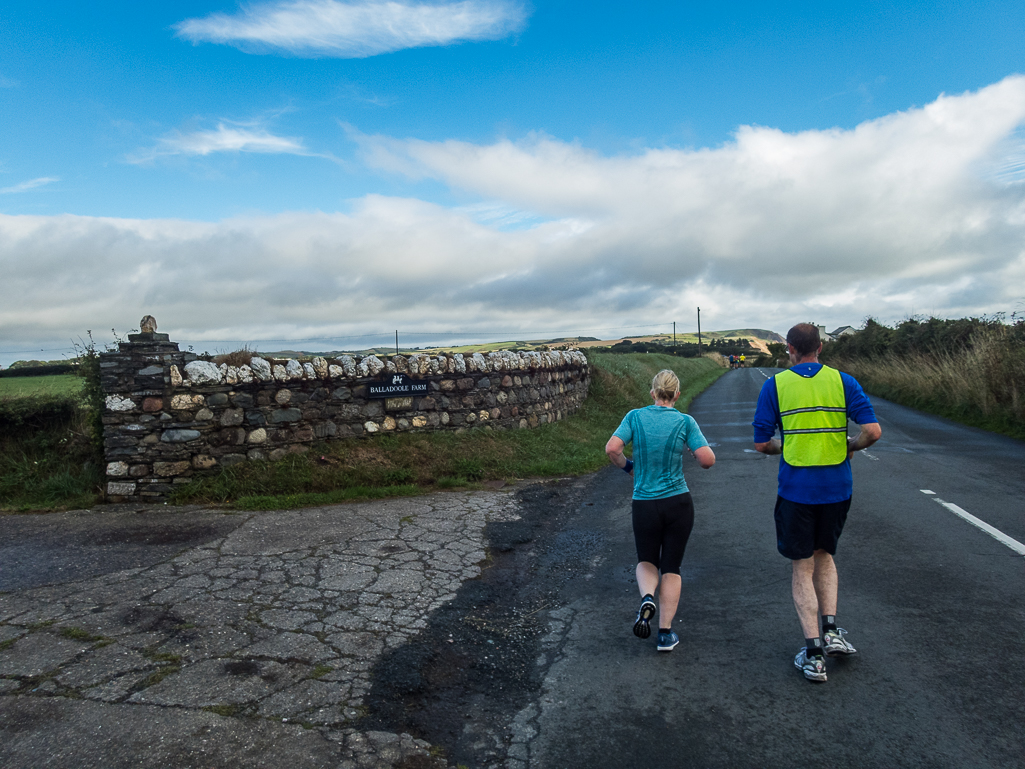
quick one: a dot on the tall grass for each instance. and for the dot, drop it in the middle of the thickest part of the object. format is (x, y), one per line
(47, 457)
(401, 464)
(980, 382)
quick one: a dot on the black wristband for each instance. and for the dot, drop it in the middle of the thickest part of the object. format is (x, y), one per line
(628, 466)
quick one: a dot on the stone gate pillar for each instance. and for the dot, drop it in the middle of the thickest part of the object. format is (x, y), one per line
(136, 380)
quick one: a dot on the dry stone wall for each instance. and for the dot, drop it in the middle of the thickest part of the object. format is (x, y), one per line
(170, 415)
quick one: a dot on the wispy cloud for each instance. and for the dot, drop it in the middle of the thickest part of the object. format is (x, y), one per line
(223, 138)
(356, 29)
(31, 184)
(6, 82)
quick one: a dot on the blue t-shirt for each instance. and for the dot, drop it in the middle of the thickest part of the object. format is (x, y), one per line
(811, 485)
(659, 434)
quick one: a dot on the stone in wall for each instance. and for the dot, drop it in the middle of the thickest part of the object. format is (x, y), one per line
(201, 372)
(261, 369)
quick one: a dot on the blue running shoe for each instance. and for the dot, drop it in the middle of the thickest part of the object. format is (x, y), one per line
(667, 641)
(641, 627)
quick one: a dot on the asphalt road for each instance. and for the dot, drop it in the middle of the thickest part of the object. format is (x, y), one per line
(933, 604)
(529, 661)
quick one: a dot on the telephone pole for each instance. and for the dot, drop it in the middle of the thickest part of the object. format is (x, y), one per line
(699, 330)
(674, 333)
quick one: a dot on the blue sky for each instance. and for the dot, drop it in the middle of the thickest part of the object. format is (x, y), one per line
(322, 170)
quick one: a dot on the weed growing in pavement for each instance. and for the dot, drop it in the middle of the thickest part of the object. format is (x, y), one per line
(225, 710)
(412, 463)
(156, 677)
(78, 634)
(163, 656)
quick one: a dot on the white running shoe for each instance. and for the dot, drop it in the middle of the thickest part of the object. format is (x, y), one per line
(835, 643)
(814, 668)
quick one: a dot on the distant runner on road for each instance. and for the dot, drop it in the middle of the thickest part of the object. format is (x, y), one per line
(663, 512)
(810, 405)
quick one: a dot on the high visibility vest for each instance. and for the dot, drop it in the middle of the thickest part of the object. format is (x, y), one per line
(814, 415)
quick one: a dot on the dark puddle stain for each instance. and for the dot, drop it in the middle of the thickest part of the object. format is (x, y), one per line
(477, 659)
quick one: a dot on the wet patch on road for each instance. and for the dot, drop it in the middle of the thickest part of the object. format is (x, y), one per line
(61, 547)
(163, 534)
(462, 680)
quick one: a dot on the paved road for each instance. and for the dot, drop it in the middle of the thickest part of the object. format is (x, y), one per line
(153, 637)
(495, 626)
(934, 605)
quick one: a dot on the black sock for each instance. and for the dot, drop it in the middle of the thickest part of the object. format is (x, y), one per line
(665, 630)
(648, 597)
(828, 622)
(814, 646)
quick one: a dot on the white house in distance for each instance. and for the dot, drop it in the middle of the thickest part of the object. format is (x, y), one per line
(832, 336)
(842, 331)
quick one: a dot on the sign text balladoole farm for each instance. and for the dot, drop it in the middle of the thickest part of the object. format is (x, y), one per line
(397, 386)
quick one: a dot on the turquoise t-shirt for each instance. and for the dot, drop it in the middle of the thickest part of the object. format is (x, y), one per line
(659, 434)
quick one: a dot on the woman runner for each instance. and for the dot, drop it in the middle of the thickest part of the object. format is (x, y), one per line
(663, 514)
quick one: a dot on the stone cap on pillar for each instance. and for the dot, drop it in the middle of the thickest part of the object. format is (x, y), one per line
(148, 338)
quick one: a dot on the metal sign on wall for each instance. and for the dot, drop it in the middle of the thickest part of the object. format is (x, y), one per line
(397, 386)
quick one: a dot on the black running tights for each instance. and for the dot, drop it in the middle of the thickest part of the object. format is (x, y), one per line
(661, 530)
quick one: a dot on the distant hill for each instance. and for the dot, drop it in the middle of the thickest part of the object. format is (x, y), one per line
(759, 338)
(753, 333)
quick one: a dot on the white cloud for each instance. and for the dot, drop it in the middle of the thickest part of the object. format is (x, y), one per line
(899, 215)
(31, 184)
(906, 196)
(221, 139)
(355, 29)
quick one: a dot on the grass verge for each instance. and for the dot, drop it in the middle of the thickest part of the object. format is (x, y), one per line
(411, 463)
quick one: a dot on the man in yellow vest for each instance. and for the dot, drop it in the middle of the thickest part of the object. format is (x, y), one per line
(810, 404)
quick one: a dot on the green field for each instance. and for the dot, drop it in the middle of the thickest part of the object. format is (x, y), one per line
(47, 461)
(22, 386)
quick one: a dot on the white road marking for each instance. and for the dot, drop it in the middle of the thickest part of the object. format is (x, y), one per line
(998, 535)
(870, 456)
(750, 451)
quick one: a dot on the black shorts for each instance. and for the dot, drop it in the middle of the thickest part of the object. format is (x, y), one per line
(661, 530)
(803, 529)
